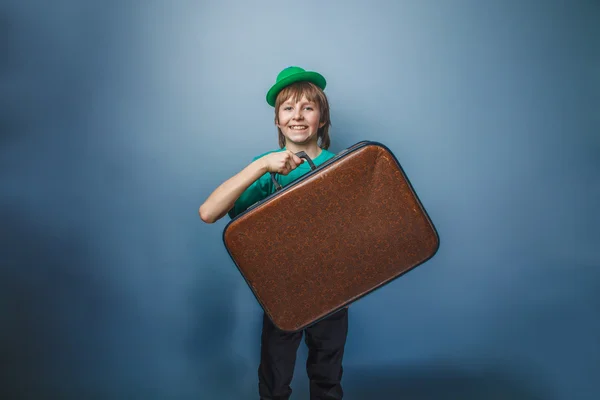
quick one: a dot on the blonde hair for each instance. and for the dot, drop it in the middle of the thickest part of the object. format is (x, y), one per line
(313, 93)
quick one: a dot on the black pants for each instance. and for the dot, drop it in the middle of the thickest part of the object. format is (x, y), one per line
(325, 341)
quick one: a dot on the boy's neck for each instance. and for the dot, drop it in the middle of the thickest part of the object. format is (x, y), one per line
(311, 149)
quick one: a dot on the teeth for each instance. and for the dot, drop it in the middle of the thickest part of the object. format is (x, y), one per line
(296, 127)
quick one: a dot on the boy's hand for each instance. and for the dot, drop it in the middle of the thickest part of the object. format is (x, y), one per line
(282, 162)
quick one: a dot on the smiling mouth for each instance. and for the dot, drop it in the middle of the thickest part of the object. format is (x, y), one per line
(298, 127)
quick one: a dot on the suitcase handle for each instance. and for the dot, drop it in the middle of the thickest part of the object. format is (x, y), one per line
(300, 154)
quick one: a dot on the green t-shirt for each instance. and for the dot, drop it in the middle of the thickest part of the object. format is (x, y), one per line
(263, 186)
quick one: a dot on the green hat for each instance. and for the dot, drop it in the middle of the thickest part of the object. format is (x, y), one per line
(291, 75)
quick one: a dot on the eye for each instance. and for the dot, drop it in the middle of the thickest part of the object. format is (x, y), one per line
(309, 108)
(288, 108)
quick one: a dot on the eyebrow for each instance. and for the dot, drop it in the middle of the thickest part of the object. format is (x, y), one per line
(289, 102)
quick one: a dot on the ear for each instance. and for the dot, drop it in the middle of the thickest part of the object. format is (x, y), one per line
(322, 124)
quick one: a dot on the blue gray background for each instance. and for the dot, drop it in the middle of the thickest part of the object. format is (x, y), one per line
(118, 119)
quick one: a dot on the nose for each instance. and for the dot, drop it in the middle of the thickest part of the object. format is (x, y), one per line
(298, 113)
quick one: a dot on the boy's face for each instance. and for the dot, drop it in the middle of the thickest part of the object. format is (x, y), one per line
(299, 122)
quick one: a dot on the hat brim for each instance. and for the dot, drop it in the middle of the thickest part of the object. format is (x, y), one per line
(309, 76)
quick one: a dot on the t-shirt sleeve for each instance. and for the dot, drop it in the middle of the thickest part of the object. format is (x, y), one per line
(255, 192)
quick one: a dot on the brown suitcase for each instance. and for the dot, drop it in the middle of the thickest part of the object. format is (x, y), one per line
(361, 226)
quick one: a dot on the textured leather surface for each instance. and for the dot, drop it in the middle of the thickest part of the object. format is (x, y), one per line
(331, 238)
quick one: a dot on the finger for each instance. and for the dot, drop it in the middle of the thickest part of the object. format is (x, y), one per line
(296, 160)
(292, 158)
(283, 168)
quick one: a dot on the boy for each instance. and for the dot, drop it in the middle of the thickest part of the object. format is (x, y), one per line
(302, 120)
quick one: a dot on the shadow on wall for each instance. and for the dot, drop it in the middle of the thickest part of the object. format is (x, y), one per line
(436, 382)
(211, 333)
(212, 341)
(12, 113)
(54, 311)
(429, 383)
(68, 332)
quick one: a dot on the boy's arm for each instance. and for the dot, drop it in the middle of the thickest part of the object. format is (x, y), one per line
(223, 198)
